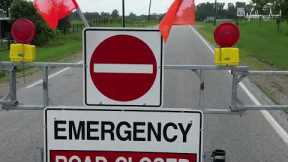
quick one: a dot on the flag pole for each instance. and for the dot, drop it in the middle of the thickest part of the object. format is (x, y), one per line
(80, 13)
(82, 17)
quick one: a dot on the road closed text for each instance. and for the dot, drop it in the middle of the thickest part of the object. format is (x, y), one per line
(113, 156)
(121, 131)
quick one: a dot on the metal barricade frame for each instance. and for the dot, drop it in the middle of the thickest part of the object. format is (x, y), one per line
(10, 102)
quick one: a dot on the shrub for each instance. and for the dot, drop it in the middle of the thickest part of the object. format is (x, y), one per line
(25, 9)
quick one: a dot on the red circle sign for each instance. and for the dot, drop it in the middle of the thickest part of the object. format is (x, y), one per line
(23, 31)
(123, 68)
(226, 34)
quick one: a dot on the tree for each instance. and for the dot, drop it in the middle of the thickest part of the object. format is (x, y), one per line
(260, 5)
(240, 4)
(115, 14)
(25, 9)
(105, 14)
(249, 7)
(277, 5)
(220, 10)
(64, 24)
(231, 11)
(5, 5)
(205, 10)
(132, 16)
(283, 6)
(284, 9)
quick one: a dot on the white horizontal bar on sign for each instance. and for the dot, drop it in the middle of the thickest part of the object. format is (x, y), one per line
(124, 68)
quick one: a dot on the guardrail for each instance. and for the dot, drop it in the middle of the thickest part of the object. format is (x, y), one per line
(238, 73)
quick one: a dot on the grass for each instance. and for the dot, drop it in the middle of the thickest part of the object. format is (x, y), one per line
(56, 49)
(63, 46)
(261, 46)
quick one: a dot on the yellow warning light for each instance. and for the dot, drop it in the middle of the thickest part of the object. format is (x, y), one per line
(22, 52)
(226, 56)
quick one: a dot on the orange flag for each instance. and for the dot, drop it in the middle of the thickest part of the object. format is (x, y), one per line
(181, 12)
(54, 10)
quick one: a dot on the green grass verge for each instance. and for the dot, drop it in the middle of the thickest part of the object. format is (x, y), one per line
(261, 45)
(63, 46)
(60, 47)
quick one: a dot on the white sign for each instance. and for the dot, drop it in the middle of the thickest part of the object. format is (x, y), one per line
(120, 135)
(241, 12)
(123, 67)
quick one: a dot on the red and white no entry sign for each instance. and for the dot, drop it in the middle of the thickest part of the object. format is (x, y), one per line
(126, 71)
(124, 67)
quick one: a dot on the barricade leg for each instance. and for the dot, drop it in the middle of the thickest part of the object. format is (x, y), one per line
(45, 86)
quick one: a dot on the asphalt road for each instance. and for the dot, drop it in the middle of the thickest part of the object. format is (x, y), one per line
(246, 138)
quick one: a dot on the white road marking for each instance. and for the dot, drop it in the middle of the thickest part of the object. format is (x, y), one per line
(49, 77)
(267, 115)
(124, 68)
(276, 126)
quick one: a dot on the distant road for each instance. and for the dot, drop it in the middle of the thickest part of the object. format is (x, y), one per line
(247, 138)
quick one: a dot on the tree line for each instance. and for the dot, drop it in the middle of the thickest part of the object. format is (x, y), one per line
(205, 10)
(229, 11)
(115, 15)
(24, 9)
(276, 5)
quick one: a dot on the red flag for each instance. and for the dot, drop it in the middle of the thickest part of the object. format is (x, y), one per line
(181, 12)
(54, 10)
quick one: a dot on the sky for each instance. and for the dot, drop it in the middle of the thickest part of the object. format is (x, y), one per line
(135, 6)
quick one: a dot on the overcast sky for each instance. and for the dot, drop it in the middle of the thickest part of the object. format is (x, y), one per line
(135, 6)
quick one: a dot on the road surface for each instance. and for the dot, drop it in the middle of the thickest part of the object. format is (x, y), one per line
(246, 138)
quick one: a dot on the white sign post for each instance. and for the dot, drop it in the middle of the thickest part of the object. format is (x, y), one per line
(123, 67)
(123, 135)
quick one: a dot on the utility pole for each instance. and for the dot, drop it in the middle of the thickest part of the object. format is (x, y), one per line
(149, 11)
(123, 14)
(215, 12)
